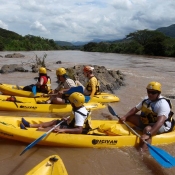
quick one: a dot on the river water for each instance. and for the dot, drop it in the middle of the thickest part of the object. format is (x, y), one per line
(138, 70)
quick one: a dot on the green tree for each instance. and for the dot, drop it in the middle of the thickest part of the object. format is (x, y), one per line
(90, 47)
(1, 46)
(152, 41)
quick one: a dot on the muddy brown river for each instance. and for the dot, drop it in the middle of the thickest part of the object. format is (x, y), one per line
(138, 70)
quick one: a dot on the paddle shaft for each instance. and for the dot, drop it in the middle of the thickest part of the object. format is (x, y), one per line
(41, 137)
(71, 90)
(151, 147)
(130, 128)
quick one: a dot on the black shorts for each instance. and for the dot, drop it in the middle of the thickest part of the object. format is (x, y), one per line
(63, 124)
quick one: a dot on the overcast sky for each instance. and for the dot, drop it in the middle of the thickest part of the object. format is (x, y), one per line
(84, 20)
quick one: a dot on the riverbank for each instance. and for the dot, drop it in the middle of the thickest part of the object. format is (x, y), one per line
(139, 72)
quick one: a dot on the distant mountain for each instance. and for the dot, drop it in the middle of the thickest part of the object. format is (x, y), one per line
(63, 43)
(81, 43)
(168, 31)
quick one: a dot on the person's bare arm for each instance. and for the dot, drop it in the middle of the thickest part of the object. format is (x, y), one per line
(130, 113)
(76, 130)
(39, 83)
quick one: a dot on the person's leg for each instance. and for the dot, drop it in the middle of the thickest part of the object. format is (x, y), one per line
(28, 88)
(148, 128)
(58, 101)
(48, 125)
(135, 119)
(143, 145)
(44, 129)
(43, 125)
(49, 101)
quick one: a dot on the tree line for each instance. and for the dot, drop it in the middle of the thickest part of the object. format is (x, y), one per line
(141, 42)
(11, 41)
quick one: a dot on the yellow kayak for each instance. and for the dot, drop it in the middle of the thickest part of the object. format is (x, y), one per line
(52, 165)
(9, 89)
(53, 108)
(9, 128)
(23, 99)
(105, 98)
(14, 90)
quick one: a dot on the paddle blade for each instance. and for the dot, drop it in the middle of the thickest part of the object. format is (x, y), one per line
(41, 137)
(34, 90)
(87, 98)
(112, 111)
(33, 143)
(161, 156)
(75, 89)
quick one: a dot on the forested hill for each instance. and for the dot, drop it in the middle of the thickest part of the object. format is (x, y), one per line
(63, 43)
(12, 41)
(9, 34)
(168, 31)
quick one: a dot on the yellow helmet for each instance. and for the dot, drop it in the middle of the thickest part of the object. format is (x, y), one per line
(42, 70)
(60, 71)
(154, 86)
(77, 99)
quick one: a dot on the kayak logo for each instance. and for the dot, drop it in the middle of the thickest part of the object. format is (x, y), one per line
(108, 142)
(28, 107)
(105, 97)
(6, 134)
(93, 106)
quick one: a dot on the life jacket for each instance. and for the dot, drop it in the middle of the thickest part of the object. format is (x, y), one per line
(87, 122)
(149, 116)
(46, 84)
(89, 87)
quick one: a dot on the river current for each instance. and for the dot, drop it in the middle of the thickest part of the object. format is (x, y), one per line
(138, 70)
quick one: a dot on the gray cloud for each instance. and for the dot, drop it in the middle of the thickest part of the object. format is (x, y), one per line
(3, 25)
(78, 20)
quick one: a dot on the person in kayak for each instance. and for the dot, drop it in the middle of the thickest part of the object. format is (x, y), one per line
(59, 94)
(78, 122)
(92, 86)
(43, 84)
(155, 117)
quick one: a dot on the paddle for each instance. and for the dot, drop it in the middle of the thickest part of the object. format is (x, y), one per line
(75, 89)
(161, 156)
(70, 91)
(87, 98)
(34, 90)
(40, 138)
(78, 89)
